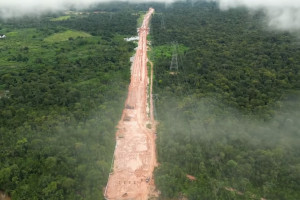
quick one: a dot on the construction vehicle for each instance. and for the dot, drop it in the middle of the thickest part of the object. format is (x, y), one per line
(147, 179)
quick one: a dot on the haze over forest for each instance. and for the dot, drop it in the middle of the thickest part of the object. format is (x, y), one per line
(281, 14)
(226, 90)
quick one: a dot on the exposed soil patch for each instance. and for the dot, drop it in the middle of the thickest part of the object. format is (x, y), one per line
(192, 178)
(4, 196)
(135, 155)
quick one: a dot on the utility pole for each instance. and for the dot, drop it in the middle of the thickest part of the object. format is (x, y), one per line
(155, 98)
(162, 23)
(174, 62)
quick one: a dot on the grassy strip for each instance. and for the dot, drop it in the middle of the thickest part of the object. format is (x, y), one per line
(61, 18)
(59, 37)
(140, 19)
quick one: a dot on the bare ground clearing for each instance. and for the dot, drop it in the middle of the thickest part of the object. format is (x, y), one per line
(135, 155)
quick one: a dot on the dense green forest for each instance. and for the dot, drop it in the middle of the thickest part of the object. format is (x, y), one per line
(229, 116)
(63, 83)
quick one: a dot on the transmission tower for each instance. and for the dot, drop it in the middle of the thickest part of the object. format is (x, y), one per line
(191, 2)
(162, 23)
(174, 62)
(110, 16)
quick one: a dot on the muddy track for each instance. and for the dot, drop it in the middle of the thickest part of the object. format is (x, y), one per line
(135, 156)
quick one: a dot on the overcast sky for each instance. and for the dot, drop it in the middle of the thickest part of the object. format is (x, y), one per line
(281, 14)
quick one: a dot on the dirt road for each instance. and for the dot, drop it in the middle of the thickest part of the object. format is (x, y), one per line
(135, 157)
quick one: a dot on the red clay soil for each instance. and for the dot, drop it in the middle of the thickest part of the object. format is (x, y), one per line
(135, 156)
(192, 178)
(241, 193)
(4, 196)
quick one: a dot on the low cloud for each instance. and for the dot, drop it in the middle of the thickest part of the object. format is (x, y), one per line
(15, 8)
(281, 14)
